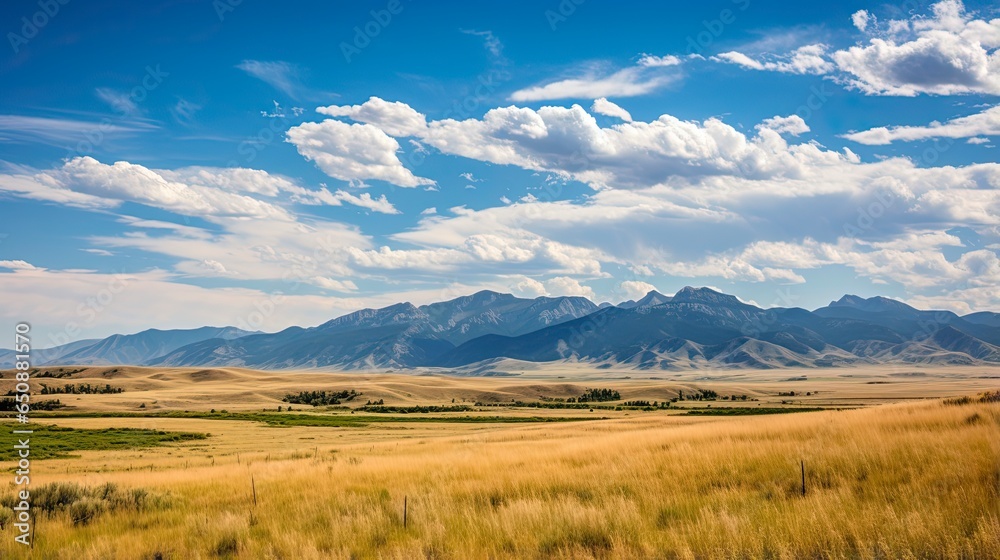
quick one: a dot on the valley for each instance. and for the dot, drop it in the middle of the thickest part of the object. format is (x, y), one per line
(200, 463)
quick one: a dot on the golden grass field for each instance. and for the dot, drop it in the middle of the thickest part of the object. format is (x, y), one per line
(899, 475)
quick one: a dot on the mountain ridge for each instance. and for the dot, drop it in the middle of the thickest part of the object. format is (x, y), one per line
(694, 328)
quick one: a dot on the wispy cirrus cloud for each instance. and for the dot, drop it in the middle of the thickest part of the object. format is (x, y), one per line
(61, 132)
(649, 74)
(285, 77)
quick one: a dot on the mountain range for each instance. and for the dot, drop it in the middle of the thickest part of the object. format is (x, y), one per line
(695, 328)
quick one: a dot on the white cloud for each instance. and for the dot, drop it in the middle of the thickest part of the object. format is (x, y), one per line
(808, 59)
(98, 252)
(604, 107)
(365, 200)
(984, 123)
(395, 118)
(792, 124)
(428, 211)
(597, 82)
(334, 285)
(529, 288)
(946, 54)
(121, 102)
(61, 132)
(283, 76)
(57, 300)
(659, 61)
(491, 43)
(353, 152)
(569, 142)
(860, 19)
(87, 183)
(977, 141)
(635, 290)
(17, 265)
(566, 286)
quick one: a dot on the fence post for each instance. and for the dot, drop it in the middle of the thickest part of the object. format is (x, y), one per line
(803, 463)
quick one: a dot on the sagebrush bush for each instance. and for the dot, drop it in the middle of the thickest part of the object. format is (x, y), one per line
(81, 502)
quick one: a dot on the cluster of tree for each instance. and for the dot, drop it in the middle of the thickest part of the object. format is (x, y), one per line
(646, 404)
(321, 398)
(10, 405)
(382, 401)
(597, 395)
(81, 389)
(734, 397)
(698, 395)
(418, 409)
(58, 374)
(572, 404)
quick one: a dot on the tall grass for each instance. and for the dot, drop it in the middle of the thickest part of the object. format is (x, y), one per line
(901, 481)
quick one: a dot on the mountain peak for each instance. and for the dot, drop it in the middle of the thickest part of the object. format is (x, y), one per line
(395, 313)
(706, 296)
(873, 304)
(650, 299)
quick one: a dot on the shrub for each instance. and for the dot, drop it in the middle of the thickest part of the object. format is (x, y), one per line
(82, 503)
(83, 511)
(227, 546)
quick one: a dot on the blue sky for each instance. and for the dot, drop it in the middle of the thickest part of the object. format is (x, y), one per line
(181, 163)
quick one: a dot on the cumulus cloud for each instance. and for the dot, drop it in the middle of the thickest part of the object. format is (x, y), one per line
(566, 286)
(860, 19)
(635, 289)
(792, 124)
(353, 152)
(984, 123)
(947, 53)
(529, 288)
(395, 118)
(568, 141)
(604, 107)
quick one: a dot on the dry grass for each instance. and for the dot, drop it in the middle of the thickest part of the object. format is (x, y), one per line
(918, 480)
